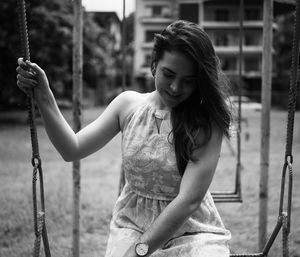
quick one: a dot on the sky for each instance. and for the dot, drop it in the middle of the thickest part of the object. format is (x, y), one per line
(109, 5)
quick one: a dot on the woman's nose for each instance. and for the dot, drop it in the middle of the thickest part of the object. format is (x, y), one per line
(175, 86)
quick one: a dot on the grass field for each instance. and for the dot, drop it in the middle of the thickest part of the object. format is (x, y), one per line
(99, 185)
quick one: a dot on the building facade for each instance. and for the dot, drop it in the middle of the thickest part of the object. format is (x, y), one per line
(219, 18)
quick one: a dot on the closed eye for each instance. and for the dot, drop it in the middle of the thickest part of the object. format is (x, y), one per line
(168, 74)
(189, 80)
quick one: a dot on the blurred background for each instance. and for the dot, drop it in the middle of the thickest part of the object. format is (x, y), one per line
(50, 34)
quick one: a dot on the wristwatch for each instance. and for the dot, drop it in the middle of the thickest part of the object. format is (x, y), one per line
(141, 249)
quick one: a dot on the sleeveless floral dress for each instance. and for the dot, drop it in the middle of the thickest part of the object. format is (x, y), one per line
(152, 181)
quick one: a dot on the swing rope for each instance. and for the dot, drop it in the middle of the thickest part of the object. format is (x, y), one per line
(284, 217)
(38, 217)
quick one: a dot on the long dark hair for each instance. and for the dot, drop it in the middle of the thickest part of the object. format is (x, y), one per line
(208, 105)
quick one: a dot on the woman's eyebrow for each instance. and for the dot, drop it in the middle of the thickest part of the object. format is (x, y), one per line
(192, 76)
(169, 70)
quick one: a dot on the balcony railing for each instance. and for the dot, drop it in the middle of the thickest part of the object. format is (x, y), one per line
(233, 24)
(235, 49)
(147, 45)
(156, 20)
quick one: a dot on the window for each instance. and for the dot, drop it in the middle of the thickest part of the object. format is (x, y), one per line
(189, 12)
(252, 14)
(150, 35)
(252, 63)
(147, 60)
(252, 39)
(229, 63)
(222, 15)
(221, 40)
(156, 10)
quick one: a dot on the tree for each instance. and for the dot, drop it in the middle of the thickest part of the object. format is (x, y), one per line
(50, 37)
(96, 53)
(283, 46)
(283, 39)
(8, 44)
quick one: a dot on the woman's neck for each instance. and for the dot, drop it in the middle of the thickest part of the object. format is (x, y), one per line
(156, 101)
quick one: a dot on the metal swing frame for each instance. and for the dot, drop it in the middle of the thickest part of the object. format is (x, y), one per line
(235, 196)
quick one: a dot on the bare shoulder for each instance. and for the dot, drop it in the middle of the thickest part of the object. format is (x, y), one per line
(131, 96)
(211, 146)
(127, 101)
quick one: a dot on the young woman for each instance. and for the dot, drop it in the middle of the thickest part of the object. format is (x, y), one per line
(171, 141)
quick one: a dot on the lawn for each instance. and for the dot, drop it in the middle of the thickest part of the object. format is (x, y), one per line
(99, 186)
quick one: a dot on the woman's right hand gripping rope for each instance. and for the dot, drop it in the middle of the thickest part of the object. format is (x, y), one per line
(31, 76)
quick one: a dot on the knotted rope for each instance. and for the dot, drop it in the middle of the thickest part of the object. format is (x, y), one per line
(38, 217)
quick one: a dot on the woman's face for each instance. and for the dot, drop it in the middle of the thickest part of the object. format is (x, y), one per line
(175, 78)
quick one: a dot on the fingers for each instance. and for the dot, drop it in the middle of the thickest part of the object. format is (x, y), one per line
(21, 61)
(27, 65)
(23, 88)
(25, 84)
(24, 69)
(26, 78)
(26, 81)
(25, 73)
(22, 64)
(30, 75)
(34, 67)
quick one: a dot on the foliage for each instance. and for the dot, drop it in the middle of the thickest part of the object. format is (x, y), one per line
(8, 44)
(50, 24)
(283, 39)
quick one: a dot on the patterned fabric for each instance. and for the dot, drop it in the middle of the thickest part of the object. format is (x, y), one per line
(152, 181)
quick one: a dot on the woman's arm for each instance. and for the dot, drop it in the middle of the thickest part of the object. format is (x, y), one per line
(71, 146)
(91, 138)
(195, 182)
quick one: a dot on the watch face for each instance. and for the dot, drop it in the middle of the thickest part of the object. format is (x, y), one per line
(141, 249)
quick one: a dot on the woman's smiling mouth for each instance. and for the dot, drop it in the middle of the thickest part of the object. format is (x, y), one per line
(175, 96)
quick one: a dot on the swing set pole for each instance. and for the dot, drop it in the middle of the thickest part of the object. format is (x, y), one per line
(265, 120)
(76, 97)
(123, 48)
